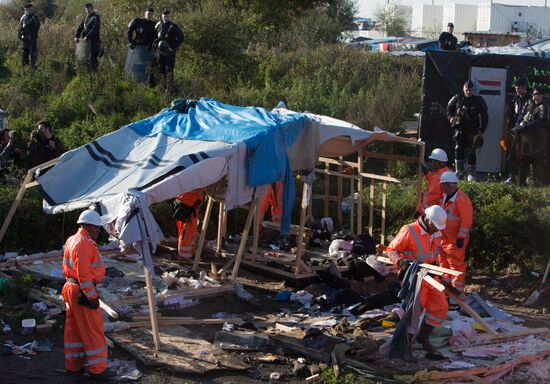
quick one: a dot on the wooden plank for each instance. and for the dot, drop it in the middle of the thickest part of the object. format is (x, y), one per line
(151, 299)
(277, 271)
(486, 339)
(182, 352)
(256, 231)
(300, 239)
(202, 236)
(163, 321)
(334, 173)
(385, 156)
(389, 179)
(338, 161)
(434, 283)
(340, 192)
(383, 223)
(371, 207)
(434, 268)
(326, 190)
(473, 314)
(449, 375)
(334, 362)
(360, 190)
(352, 206)
(322, 197)
(219, 238)
(110, 311)
(244, 237)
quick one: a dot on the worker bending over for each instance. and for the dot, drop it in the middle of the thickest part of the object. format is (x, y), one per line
(186, 212)
(273, 198)
(456, 236)
(420, 241)
(83, 268)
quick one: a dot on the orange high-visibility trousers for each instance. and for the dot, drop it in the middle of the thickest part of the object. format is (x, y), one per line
(187, 230)
(456, 262)
(275, 200)
(434, 303)
(84, 339)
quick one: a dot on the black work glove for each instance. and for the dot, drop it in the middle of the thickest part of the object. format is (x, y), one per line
(460, 242)
(94, 304)
(404, 264)
(515, 130)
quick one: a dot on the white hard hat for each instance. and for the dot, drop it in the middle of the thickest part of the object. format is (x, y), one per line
(439, 155)
(89, 217)
(448, 177)
(437, 216)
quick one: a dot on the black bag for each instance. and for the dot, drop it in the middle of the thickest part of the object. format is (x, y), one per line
(181, 211)
(364, 245)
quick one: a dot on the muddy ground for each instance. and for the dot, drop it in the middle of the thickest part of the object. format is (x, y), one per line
(507, 291)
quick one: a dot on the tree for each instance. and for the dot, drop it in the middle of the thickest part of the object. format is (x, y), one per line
(391, 19)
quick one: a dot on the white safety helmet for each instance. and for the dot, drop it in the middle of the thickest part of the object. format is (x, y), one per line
(89, 217)
(439, 155)
(437, 216)
(448, 177)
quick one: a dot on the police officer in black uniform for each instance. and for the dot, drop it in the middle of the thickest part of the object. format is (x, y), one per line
(468, 117)
(536, 116)
(28, 34)
(141, 31)
(515, 112)
(88, 30)
(448, 41)
(169, 38)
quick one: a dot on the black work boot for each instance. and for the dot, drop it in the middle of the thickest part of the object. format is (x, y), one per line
(423, 338)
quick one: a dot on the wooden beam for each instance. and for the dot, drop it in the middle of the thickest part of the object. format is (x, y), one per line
(485, 338)
(334, 173)
(435, 268)
(219, 238)
(110, 311)
(339, 161)
(360, 190)
(184, 321)
(202, 236)
(326, 190)
(244, 237)
(371, 208)
(434, 283)
(151, 299)
(300, 239)
(383, 223)
(352, 206)
(340, 192)
(15, 204)
(473, 314)
(256, 230)
(385, 156)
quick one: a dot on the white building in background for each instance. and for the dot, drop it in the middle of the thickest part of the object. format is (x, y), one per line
(500, 18)
(426, 20)
(463, 16)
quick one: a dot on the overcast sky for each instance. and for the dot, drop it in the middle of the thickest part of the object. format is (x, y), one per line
(367, 8)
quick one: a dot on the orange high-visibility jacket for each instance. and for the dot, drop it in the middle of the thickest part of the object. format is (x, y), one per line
(459, 220)
(83, 262)
(434, 192)
(413, 242)
(193, 198)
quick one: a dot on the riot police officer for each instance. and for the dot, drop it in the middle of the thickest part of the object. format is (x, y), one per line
(533, 146)
(88, 30)
(141, 31)
(468, 117)
(515, 112)
(29, 24)
(169, 38)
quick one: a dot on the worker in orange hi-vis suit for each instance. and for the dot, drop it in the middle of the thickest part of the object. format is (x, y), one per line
(273, 198)
(433, 193)
(186, 212)
(456, 236)
(420, 241)
(83, 268)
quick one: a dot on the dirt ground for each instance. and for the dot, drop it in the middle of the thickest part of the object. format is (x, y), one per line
(47, 367)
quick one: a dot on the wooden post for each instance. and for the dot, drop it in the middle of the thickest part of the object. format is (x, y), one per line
(220, 226)
(256, 232)
(371, 207)
(473, 314)
(15, 204)
(204, 227)
(340, 193)
(360, 190)
(298, 265)
(152, 307)
(326, 191)
(352, 206)
(420, 176)
(224, 222)
(383, 224)
(244, 237)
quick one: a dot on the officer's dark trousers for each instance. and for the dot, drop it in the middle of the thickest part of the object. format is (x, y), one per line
(464, 147)
(94, 54)
(29, 50)
(166, 63)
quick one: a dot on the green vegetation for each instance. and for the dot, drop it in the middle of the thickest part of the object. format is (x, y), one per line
(244, 52)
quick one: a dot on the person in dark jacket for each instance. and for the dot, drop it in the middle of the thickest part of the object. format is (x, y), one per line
(141, 31)
(468, 117)
(44, 145)
(29, 24)
(169, 38)
(515, 111)
(533, 139)
(448, 41)
(88, 30)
